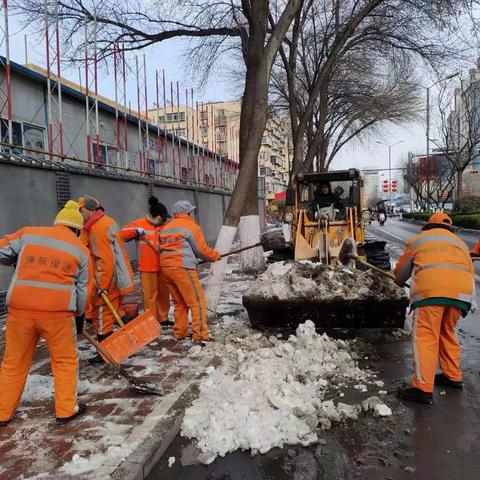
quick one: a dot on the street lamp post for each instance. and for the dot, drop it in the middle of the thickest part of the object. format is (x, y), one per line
(390, 167)
(427, 162)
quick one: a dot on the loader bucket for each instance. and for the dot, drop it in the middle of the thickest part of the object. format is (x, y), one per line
(266, 314)
(132, 337)
(289, 293)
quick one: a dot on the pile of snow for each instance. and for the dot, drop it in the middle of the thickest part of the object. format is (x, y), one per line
(267, 397)
(307, 280)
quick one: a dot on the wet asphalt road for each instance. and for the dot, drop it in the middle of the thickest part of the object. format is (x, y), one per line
(439, 442)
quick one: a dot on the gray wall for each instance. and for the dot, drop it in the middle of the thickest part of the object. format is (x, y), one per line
(28, 196)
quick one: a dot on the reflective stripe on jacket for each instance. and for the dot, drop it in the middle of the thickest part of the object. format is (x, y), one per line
(440, 265)
(111, 265)
(52, 272)
(181, 241)
(147, 257)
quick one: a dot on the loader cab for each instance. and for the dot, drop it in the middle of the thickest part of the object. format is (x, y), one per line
(319, 230)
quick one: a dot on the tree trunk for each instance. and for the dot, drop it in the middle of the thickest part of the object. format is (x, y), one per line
(459, 184)
(259, 56)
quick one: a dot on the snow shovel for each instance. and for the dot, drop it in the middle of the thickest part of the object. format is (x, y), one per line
(136, 383)
(130, 338)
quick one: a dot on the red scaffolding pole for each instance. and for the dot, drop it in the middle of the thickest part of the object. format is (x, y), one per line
(165, 152)
(91, 87)
(120, 98)
(179, 150)
(172, 133)
(142, 106)
(159, 141)
(54, 85)
(188, 134)
(5, 80)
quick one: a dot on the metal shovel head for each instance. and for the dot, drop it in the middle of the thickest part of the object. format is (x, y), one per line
(144, 386)
(132, 337)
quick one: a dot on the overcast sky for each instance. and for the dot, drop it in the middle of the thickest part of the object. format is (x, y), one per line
(167, 56)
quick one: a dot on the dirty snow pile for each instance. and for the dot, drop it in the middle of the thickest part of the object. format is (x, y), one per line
(275, 395)
(306, 280)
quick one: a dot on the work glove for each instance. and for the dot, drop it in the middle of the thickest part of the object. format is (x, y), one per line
(79, 321)
(140, 232)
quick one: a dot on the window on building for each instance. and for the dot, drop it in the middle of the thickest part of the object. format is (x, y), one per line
(161, 119)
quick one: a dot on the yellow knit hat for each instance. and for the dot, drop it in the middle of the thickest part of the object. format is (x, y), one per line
(70, 216)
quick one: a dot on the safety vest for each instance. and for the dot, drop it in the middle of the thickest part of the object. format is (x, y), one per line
(181, 242)
(440, 265)
(111, 265)
(147, 256)
(52, 270)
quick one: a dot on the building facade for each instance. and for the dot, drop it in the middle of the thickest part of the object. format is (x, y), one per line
(216, 126)
(116, 140)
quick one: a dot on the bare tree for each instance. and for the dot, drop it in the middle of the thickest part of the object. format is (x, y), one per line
(328, 36)
(459, 132)
(432, 181)
(260, 27)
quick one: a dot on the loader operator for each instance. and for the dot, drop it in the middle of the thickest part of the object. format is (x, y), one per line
(322, 198)
(144, 231)
(181, 242)
(442, 290)
(46, 298)
(111, 266)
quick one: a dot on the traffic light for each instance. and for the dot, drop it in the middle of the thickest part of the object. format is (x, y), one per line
(385, 186)
(394, 186)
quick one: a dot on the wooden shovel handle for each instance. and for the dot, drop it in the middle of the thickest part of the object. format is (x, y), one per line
(101, 350)
(233, 252)
(108, 303)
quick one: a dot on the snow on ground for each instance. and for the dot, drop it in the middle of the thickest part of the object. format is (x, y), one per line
(268, 393)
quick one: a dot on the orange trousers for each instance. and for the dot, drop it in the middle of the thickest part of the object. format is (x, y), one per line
(435, 341)
(103, 319)
(187, 293)
(156, 296)
(22, 335)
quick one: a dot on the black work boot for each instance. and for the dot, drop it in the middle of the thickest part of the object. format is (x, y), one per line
(443, 381)
(167, 323)
(416, 395)
(98, 359)
(4, 423)
(82, 408)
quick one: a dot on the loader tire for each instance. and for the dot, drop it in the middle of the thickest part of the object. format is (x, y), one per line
(379, 259)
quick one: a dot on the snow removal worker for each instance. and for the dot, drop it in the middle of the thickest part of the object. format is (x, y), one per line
(323, 197)
(181, 241)
(111, 266)
(144, 231)
(442, 290)
(47, 298)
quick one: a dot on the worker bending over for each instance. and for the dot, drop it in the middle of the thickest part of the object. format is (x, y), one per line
(442, 290)
(144, 231)
(111, 266)
(46, 298)
(181, 241)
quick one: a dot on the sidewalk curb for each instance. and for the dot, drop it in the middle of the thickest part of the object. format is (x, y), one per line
(458, 229)
(141, 461)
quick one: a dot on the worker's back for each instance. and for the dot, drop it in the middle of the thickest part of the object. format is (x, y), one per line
(110, 261)
(51, 272)
(441, 265)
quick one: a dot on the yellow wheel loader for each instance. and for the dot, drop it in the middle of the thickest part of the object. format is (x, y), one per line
(326, 225)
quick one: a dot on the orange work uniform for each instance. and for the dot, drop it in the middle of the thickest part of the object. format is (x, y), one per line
(111, 268)
(48, 289)
(442, 282)
(155, 291)
(181, 241)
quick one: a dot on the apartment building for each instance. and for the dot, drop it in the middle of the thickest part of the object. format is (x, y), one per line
(216, 126)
